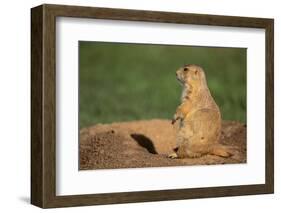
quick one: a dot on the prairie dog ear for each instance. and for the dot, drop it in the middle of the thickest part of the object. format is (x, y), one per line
(196, 75)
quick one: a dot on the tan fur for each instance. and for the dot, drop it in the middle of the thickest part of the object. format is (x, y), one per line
(198, 116)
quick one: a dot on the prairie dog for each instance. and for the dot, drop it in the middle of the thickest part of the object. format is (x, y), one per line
(199, 117)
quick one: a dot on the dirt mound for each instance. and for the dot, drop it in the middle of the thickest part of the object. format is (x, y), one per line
(146, 144)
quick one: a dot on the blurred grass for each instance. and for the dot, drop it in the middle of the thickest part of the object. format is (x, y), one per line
(122, 82)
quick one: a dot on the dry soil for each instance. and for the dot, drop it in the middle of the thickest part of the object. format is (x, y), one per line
(147, 143)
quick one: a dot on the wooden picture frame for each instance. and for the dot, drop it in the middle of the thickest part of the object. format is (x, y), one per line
(43, 105)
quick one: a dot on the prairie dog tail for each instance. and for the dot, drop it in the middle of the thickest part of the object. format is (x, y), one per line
(220, 150)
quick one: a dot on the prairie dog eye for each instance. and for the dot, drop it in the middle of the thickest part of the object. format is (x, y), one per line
(185, 69)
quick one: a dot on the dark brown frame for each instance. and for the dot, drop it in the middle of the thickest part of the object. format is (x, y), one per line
(43, 106)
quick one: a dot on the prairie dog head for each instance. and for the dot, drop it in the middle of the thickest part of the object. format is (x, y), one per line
(191, 75)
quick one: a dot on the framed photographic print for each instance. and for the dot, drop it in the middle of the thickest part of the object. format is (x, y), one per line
(136, 106)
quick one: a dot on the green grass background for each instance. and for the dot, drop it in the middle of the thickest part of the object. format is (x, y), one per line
(123, 82)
